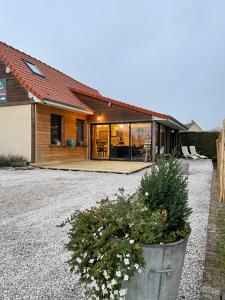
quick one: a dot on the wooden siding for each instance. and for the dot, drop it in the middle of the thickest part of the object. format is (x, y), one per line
(16, 94)
(48, 153)
(111, 114)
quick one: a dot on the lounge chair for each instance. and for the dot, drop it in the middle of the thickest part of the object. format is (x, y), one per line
(194, 152)
(187, 154)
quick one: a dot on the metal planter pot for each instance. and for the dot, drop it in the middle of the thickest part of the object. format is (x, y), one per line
(160, 278)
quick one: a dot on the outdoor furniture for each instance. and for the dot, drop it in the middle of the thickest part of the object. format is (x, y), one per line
(187, 154)
(194, 152)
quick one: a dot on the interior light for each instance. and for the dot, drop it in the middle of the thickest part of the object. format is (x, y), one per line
(121, 125)
(99, 118)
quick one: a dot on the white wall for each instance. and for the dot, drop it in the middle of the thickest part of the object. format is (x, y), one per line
(15, 130)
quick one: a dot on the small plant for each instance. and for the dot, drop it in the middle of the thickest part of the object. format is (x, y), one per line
(105, 243)
(166, 188)
(11, 160)
(69, 143)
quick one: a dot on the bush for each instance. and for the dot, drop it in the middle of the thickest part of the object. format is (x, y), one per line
(105, 241)
(165, 188)
(11, 160)
(205, 142)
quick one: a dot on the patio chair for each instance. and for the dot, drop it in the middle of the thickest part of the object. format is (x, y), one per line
(187, 154)
(194, 152)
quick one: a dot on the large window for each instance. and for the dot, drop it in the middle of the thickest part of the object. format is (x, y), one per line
(79, 132)
(56, 129)
(122, 141)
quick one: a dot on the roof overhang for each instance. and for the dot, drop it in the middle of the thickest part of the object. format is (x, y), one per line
(172, 123)
(61, 105)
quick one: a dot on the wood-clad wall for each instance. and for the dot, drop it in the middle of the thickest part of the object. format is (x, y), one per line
(112, 113)
(16, 94)
(46, 152)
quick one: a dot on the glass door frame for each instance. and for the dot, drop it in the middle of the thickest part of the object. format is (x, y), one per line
(130, 146)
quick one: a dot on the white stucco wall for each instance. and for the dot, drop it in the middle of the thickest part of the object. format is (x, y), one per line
(15, 130)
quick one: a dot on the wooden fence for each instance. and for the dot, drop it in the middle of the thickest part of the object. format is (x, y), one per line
(221, 163)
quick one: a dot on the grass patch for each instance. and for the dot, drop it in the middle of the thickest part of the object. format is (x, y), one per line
(11, 160)
(220, 222)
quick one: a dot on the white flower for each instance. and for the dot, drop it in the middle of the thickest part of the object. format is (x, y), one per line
(87, 275)
(123, 292)
(100, 228)
(105, 274)
(91, 261)
(94, 235)
(161, 243)
(112, 296)
(126, 236)
(128, 255)
(126, 277)
(136, 266)
(119, 256)
(104, 292)
(116, 292)
(113, 282)
(78, 260)
(131, 242)
(97, 288)
(126, 261)
(103, 286)
(146, 194)
(139, 271)
(85, 254)
(109, 285)
(118, 274)
(76, 268)
(100, 233)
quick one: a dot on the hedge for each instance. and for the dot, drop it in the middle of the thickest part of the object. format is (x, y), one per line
(205, 142)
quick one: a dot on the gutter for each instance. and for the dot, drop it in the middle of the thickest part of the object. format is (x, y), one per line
(57, 104)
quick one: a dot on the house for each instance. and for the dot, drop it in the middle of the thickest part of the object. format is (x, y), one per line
(193, 126)
(47, 116)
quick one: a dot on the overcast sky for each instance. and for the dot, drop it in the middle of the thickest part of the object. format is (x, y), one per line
(167, 56)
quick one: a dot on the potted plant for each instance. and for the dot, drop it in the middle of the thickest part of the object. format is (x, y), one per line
(132, 247)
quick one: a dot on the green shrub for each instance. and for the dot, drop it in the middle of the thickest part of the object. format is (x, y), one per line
(105, 242)
(205, 142)
(11, 160)
(165, 188)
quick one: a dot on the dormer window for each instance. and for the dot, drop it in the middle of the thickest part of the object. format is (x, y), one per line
(33, 68)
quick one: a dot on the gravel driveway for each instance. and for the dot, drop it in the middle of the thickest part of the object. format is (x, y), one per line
(32, 203)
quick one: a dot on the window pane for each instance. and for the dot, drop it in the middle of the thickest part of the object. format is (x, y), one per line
(80, 132)
(100, 141)
(56, 135)
(34, 68)
(141, 141)
(120, 147)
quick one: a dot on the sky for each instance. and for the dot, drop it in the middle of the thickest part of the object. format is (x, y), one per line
(165, 55)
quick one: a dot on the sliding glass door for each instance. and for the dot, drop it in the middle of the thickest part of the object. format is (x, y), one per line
(122, 141)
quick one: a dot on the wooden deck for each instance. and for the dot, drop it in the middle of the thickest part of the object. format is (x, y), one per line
(119, 167)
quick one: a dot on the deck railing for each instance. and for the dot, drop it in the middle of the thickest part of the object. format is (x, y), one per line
(221, 163)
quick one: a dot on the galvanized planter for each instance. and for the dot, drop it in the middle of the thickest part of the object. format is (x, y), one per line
(160, 278)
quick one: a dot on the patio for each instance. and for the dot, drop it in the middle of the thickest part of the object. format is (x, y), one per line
(101, 166)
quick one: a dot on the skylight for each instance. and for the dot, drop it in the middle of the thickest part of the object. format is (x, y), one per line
(34, 68)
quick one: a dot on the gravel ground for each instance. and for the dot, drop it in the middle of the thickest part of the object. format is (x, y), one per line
(32, 203)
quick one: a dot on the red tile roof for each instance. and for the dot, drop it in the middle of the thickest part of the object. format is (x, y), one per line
(120, 103)
(56, 85)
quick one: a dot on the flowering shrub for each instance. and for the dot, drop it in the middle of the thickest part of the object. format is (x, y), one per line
(105, 243)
